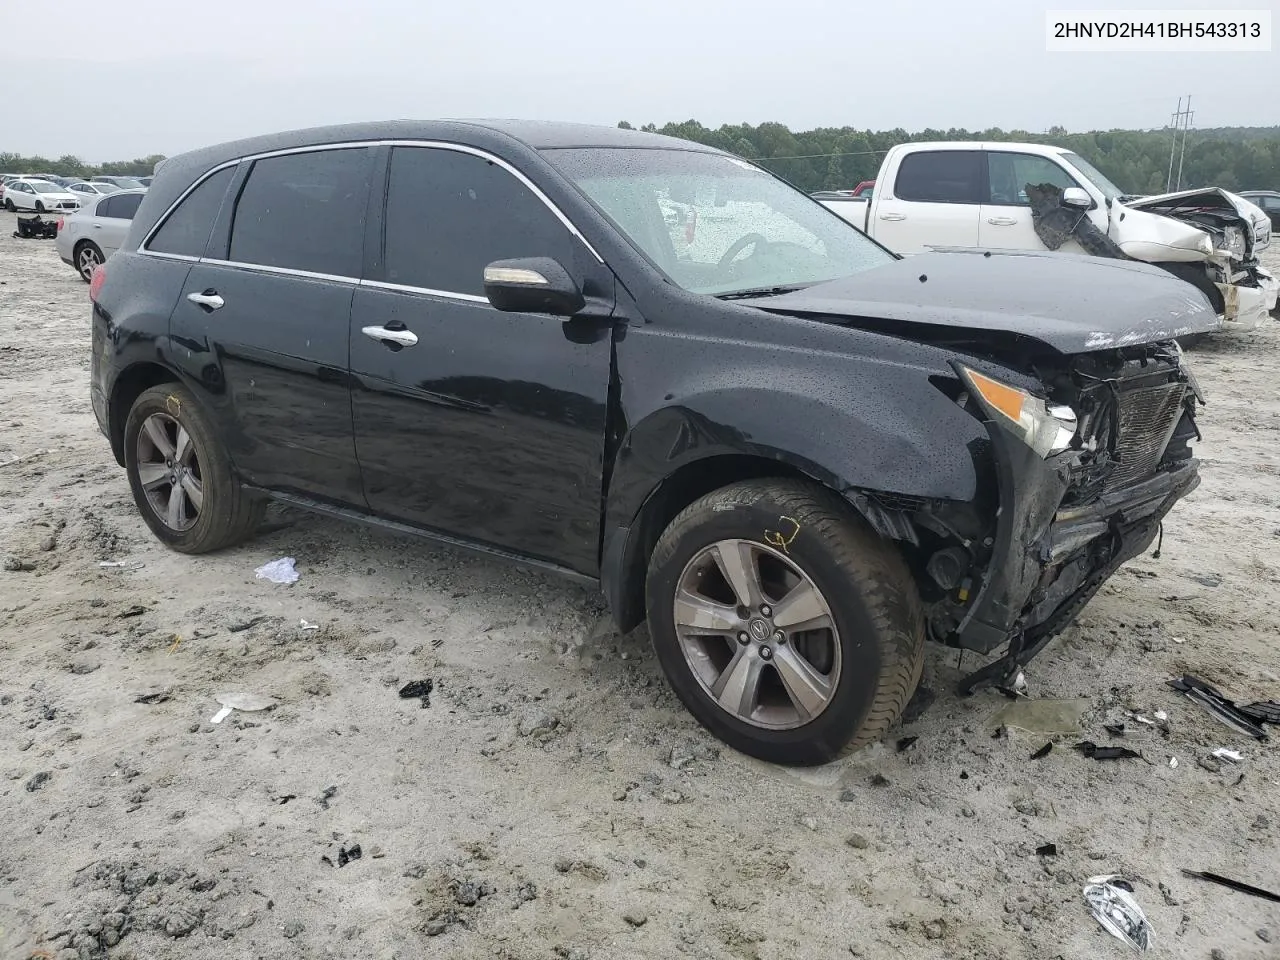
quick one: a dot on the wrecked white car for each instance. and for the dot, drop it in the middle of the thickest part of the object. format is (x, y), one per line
(1026, 196)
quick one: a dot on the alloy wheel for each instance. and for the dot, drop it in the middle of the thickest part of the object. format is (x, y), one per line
(758, 634)
(169, 471)
(86, 260)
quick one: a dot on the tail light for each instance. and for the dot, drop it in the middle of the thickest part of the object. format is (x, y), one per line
(61, 221)
(95, 283)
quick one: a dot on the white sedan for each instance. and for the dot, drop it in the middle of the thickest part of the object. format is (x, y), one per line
(38, 195)
(87, 192)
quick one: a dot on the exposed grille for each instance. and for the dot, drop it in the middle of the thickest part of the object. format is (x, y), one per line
(1146, 418)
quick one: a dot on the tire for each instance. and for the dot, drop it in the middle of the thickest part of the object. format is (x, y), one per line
(87, 255)
(870, 661)
(9, 205)
(39, 206)
(224, 514)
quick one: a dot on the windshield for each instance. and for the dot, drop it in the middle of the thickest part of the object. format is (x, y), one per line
(715, 224)
(1094, 175)
(43, 186)
(105, 187)
(126, 183)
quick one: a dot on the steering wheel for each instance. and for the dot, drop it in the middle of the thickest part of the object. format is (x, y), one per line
(738, 246)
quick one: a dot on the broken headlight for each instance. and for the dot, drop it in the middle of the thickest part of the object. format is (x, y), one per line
(1233, 242)
(1045, 429)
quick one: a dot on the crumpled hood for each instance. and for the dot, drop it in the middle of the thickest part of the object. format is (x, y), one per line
(1212, 198)
(1073, 304)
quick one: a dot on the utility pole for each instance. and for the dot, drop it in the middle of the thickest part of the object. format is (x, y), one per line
(1181, 123)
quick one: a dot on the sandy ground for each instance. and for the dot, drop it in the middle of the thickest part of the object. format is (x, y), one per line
(554, 800)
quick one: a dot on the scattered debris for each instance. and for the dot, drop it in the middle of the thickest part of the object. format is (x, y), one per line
(635, 918)
(878, 780)
(418, 690)
(38, 781)
(1233, 884)
(153, 698)
(133, 610)
(1042, 752)
(343, 856)
(906, 743)
(1173, 763)
(25, 457)
(286, 798)
(1095, 752)
(249, 702)
(1178, 639)
(1209, 763)
(329, 794)
(304, 626)
(1047, 850)
(1115, 729)
(111, 563)
(1110, 899)
(278, 571)
(1231, 756)
(239, 626)
(1212, 700)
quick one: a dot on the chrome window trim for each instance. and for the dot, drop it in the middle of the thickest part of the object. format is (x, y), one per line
(185, 258)
(353, 145)
(282, 271)
(406, 288)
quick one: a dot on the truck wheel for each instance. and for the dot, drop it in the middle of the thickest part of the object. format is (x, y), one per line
(181, 476)
(785, 626)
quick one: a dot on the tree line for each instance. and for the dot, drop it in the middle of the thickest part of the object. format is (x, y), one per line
(70, 166)
(838, 158)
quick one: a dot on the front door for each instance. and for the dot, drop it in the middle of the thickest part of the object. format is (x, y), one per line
(264, 317)
(486, 425)
(1005, 222)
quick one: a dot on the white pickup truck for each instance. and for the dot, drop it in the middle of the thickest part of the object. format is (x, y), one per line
(1025, 196)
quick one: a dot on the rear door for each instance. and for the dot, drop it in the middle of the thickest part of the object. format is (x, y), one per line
(1005, 222)
(264, 317)
(933, 202)
(109, 223)
(489, 426)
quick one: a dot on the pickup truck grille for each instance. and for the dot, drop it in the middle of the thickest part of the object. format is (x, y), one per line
(1146, 418)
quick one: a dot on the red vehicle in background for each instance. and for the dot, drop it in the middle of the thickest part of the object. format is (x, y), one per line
(864, 189)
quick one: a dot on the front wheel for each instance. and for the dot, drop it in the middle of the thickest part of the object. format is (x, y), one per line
(9, 205)
(181, 476)
(784, 624)
(39, 206)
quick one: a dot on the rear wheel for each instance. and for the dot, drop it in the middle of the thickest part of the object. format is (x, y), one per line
(88, 256)
(39, 206)
(785, 626)
(181, 476)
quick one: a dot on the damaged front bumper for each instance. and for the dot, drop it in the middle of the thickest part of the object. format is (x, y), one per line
(1244, 307)
(1047, 561)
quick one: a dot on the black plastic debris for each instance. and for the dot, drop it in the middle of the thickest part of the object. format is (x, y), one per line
(1115, 729)
(1266, 711)
(1042, 752)
(329, 794)
(1047, 850)
(1211, 699)
(152, 698)
(418, 690)
(344, 855)
(879, 780)
(1095, 752)
(1233, 884)
(286, 798)
(906, 743)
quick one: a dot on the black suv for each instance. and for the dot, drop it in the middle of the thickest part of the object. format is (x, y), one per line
(648, 364)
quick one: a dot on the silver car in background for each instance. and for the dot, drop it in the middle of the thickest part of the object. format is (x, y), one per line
(93, 233)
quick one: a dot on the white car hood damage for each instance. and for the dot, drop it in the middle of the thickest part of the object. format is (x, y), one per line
(1215, 205)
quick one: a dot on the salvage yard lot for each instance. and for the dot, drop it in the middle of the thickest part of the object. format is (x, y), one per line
(554, 800)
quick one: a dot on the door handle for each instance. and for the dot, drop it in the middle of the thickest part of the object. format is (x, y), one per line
(401, 338)
(893, 216)
(208, 301)
(1002, 221)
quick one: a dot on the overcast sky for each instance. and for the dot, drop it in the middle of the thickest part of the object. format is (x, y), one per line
(155, 76)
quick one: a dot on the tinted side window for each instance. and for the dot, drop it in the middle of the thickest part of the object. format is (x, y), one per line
(106, 208)
(122, 207)
(1009, 174)
(451, 214)
(304, 211)
(186, 231)
(941, 176)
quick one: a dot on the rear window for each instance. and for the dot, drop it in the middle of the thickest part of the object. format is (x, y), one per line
(304, 211)
(941, 176)
(186, 230)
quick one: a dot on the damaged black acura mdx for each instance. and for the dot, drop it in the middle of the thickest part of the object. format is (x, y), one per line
(648, 364)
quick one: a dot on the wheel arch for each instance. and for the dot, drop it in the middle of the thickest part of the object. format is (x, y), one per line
(127, 387)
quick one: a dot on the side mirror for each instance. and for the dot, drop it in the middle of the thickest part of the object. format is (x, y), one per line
(1076, 197)
(532, 285)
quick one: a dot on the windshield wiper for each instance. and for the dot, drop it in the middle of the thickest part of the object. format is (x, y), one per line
(761, 291)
